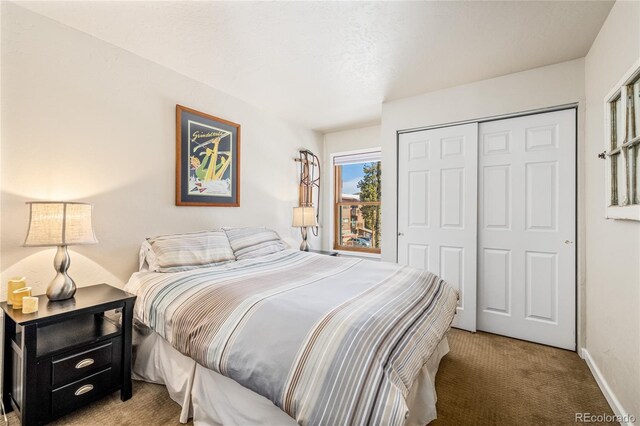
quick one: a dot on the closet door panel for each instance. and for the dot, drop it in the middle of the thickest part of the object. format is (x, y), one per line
(437, 209)
(527, 217)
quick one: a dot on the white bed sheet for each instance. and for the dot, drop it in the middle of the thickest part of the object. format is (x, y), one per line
(213, 399)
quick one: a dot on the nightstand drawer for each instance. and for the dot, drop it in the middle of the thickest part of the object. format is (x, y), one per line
(68, 368)
(78, 393)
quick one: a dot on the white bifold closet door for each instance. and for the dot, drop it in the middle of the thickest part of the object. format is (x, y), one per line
(437, 209)
(526, 228)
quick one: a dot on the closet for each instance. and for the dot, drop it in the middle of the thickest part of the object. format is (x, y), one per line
(491, 208)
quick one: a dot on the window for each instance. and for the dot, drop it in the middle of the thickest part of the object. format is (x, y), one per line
(623, 147)
(357, 208)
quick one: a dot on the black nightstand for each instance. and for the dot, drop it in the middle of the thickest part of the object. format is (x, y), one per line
(67, 354)
(324, 252)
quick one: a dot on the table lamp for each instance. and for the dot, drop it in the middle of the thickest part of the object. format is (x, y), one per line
(304, 217)
(61, 224)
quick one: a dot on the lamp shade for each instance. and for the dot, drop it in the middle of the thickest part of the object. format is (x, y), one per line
(304, 217)
(59, 224)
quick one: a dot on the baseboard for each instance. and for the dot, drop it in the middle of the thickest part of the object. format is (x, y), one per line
(611, 398)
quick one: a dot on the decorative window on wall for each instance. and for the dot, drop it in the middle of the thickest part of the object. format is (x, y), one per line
(622, 136)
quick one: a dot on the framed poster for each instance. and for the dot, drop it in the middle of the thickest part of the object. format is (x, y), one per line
(207, 160)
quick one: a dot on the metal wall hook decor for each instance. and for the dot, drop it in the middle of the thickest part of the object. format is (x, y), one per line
(603, 155)
(309, 179)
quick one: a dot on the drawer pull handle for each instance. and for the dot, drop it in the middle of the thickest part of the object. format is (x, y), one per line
(85, 363)
(84, 389)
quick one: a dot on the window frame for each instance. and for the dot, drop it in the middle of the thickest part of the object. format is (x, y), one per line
(336, 191)
(615, 209)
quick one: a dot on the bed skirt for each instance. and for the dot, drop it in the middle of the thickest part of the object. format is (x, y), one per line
(213, 399)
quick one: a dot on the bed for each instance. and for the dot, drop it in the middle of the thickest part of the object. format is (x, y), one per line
(290, 337)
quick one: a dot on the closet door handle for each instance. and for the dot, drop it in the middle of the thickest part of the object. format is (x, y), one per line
(400, 234)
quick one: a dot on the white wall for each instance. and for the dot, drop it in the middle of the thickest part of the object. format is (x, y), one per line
(543, 87)
(84, 120)
(613, 246)
(336, 142)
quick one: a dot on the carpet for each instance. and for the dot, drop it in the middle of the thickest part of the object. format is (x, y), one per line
(494, 380)
(484, 380)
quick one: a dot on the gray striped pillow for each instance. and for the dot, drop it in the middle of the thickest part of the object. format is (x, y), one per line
(248, 243)
(181, 252)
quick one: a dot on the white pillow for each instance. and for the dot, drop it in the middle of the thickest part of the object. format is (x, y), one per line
(145, 257)
(182, 252)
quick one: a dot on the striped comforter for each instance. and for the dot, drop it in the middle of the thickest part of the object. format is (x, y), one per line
(330, 340)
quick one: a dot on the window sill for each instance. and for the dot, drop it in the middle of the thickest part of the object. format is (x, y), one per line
(371, 256)
(631, 212)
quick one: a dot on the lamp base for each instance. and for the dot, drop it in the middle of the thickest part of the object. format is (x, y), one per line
(62, 287)
(305, 246)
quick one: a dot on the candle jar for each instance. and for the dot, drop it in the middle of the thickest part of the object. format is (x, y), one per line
(14, 284)
(18, 295)
(29, 305)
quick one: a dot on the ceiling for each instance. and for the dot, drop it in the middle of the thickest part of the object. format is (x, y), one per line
(331, 65)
